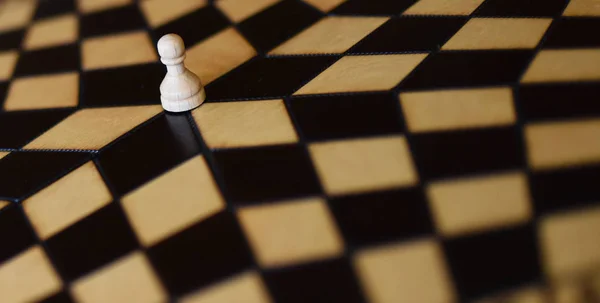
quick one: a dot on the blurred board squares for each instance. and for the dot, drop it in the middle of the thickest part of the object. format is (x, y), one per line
(247, 287)
(8, 60)
(90, 6)
(439, 110)
(291, 232)
(412, 271)
(569, 242)
(462, 206)
(239, 10)
(16, 13)
(52, 31)
(564, 66)
(37, 277)
(374, 163)
(194, 194)
(66, 201)
(103, 52)
(160, 12)
(562, 144)
(218, 54)
(37, 92)
(129, 277)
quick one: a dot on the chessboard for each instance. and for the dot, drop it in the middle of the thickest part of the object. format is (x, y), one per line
(348, 151)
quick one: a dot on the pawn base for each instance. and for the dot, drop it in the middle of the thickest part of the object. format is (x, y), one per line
(183, 105)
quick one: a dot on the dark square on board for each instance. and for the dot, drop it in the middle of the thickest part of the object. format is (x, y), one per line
(27, 125)
(61, 297)
(266, 173)
(268, 77)
(155, 147)
(521, 8)
(565, 189)
(465, 152)
(94, 241)
(539, 102)
(573, 33)
(51, 8)
(116, 20)
(195, 26)
(322, 281)
(4, 85)
(278, 23)
(11, 40)
(56, 59)
(202, 254)
(492, 262)
(127, 85)
(373, 7)
(346, 116)
(469, 68)
(380, 217)
(16, 234)
(25, 172)
(407, 34)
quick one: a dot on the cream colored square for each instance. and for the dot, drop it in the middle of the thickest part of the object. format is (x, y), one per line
(173, 201)
(93, 128)
(457, 109)
(360, 165)
(475, 204)
(407, 272)
(159, 12)
(562, 144)
(3, 154)
(127, 280)
(291, 232)
(28, 277)
(325, 5)
(50, 32)
(67, 201)
(8, 60)
(565, 65)
(582, 8)
(16, 13)
(118, 50)
(218, 54)
(443, 7)
(570, 242)
(330, 35)
(41, 92)
(363, 73)
(90, 6)
(572, 290)
(245, 123)
(238, 10)
(243, 288)
(499, 33)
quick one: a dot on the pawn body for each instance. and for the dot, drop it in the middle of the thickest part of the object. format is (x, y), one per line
(180, 90)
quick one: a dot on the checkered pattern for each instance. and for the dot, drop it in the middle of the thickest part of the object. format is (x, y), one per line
(349, 151)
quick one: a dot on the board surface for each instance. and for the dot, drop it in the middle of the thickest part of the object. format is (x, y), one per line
(349, 151)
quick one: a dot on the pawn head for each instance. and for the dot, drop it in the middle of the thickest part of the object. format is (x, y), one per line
(171, 46)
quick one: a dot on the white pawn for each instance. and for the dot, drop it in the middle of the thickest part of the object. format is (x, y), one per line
(181, 89)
